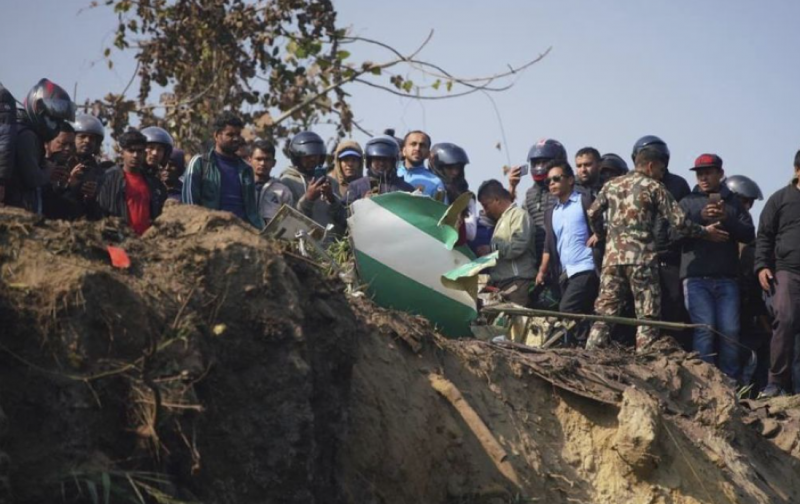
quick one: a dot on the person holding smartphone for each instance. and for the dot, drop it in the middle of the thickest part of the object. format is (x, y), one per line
(709, 270)
(315, 193)
(538, 198)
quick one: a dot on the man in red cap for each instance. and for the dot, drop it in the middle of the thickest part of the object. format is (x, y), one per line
(709, 270)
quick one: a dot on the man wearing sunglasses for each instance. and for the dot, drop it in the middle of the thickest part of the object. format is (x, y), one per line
(568, 255)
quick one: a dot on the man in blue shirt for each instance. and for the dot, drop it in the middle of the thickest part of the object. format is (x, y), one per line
(416, 148)
(568, 243)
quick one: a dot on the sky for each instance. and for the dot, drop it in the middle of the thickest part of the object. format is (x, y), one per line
(717, 76)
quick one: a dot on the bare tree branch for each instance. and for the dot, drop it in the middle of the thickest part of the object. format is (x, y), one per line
(327, 89)
(355, 123)
(421, 47)
(133, 77)
(445, 74)
(417, 97)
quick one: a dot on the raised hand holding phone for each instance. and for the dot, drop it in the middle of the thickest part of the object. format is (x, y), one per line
(714, 210)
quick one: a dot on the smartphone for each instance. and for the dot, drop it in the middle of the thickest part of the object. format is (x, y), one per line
(320, 172)
(715, 197)
(523, 169)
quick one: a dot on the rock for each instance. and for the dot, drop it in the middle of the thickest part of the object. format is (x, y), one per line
(636, 439)
(770, 428)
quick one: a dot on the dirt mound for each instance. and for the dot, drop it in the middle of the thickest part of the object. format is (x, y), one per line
(219, 369)
(213, 369)
(573, 427)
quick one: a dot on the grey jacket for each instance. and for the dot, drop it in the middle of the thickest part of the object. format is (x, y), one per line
(321, 211)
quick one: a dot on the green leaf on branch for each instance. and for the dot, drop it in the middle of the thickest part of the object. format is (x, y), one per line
(314, 48)
(123, 6)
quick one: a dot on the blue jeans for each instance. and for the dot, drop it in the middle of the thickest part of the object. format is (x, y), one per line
(715, 302)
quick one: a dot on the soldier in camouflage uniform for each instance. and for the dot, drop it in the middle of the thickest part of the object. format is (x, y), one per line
(633, 203)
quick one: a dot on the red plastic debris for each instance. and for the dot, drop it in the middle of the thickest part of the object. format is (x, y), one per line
(119, 258)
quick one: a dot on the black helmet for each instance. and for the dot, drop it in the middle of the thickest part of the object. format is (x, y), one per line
(89, 124)
(744, 186)
(306, 143)
(548, 149)
(650, 142)
(382, 146)
(47, 106)
(446, 153)
(154, 134)
(545, 149)
(614, 162)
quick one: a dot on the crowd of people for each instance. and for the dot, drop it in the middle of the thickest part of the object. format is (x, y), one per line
(597, 238)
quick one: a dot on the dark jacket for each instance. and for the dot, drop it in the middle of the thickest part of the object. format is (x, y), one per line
(68, 203)
(30, 173)
(538, 200)
(667, 251)
(551, 244)
(392, 183)
(778, 241)
(111, 194)
(750, 292)
(703, 258)
(202, 186)
(590, 190)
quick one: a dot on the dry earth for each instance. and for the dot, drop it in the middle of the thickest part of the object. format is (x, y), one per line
(220, 369)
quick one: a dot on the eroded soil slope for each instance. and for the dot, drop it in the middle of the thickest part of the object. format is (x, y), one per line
(219, 368)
